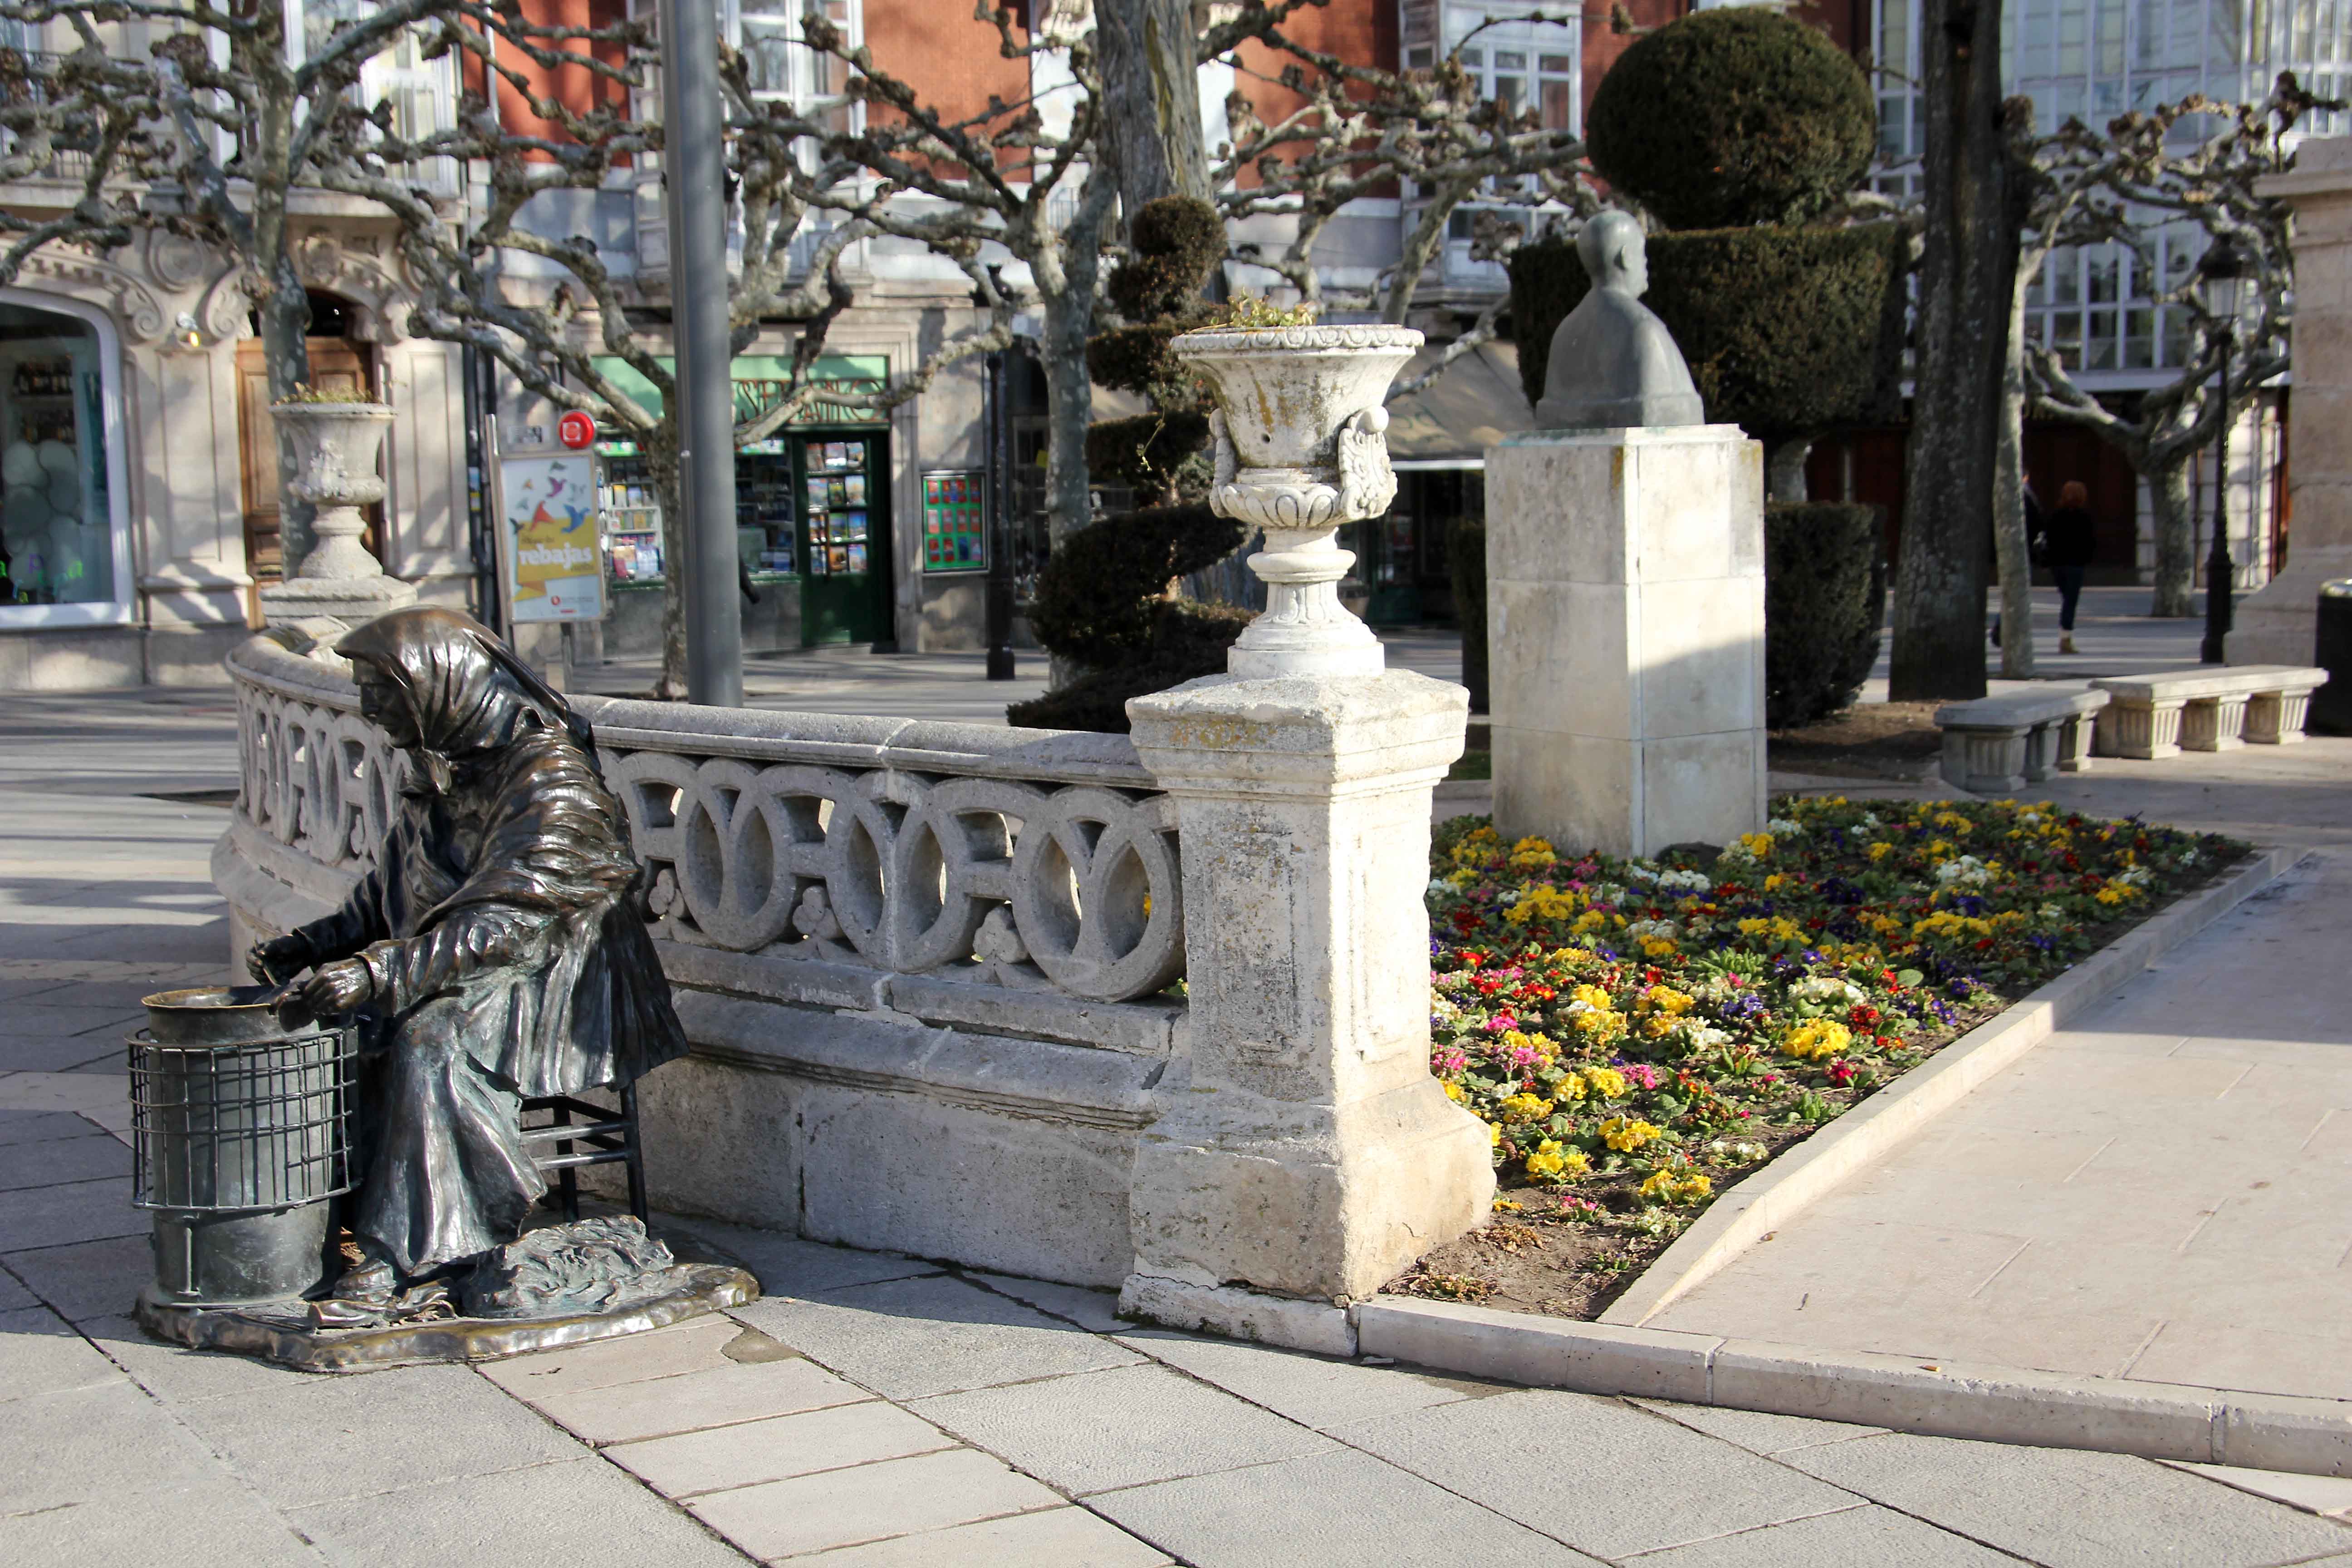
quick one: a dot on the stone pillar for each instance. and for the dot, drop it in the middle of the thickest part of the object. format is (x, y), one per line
(1625, 635)
(1306, 1155)
(2278, 623)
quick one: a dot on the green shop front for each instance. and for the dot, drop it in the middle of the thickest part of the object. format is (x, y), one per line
(812, 518)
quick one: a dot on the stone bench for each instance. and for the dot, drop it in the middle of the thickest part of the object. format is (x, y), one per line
(1996, 744)
(2209, 709)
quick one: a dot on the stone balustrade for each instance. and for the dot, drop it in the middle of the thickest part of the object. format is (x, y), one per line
(930, 973)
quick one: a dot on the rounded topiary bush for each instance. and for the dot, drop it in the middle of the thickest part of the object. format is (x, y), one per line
(1787, 331)
(1824, 596)
(1731, 116)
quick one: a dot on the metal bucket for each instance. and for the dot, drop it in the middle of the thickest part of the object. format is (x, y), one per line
(240, 1136)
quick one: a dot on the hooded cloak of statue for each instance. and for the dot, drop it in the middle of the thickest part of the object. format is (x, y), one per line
(503, 930)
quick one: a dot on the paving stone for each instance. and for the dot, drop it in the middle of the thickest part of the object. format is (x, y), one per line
(43, 1019)
(779, 1447)
(788, 1265)
(72, 1212)
(179, 1375)
(2069, 1509)
(40, 1127)
(691, 1401)
(870, 1502)
(1123, 1427)
(576, 1514)
(1758, 1431)
(906, 1339)
(92, 1445)
(40, 1354)
(43, 1053)
(90, 1279)
(1313, 1390)
(219, 1524)
(1585, 1449)
(1342, 1507)
(694, 1346)
(1877, 1536)
(1057, 1538)
(356, 1434)
(1096, 1312)
(2312, 1494)
(54, 1161)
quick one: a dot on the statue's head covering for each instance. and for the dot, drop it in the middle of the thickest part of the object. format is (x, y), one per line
(467, 690)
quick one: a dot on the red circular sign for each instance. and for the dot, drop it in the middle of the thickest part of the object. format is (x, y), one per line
(575, 429)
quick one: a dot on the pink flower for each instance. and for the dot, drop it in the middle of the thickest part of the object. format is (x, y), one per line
(1501, 1022)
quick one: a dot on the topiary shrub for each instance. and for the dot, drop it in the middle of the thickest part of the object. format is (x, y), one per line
(1824, 597)
(1787, 331)
(1465, 562)
(1102, 599)
(1731, 116)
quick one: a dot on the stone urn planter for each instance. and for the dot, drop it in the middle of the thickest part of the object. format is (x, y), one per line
(1301, 448)
(336, 445)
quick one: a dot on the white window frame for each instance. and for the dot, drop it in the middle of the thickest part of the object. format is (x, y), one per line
(115, 612)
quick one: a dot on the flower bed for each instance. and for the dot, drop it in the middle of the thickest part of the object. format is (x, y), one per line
(1636, 1033)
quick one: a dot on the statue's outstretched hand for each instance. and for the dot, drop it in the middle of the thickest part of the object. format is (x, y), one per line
(278, 960)
(334, 990)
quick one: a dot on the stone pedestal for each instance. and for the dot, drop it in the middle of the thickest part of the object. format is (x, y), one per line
(2278, 623)
(1626, 636)
(1306, 1152)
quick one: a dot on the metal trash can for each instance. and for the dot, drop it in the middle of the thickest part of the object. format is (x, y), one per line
(2331, 705)
(240, 1136)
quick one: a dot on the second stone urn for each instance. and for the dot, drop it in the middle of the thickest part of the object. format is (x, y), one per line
(336, 444)
(1301, 448)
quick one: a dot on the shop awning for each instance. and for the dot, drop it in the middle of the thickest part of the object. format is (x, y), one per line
(1450, 423)
(760, 379)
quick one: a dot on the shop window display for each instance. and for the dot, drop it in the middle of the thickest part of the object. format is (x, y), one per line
(56, 534)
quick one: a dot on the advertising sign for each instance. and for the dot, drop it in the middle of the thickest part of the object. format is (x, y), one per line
(554, 557)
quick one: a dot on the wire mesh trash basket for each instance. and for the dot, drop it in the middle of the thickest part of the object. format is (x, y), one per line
(240, 1136)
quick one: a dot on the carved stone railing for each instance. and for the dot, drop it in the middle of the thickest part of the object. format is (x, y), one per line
(1031, 861)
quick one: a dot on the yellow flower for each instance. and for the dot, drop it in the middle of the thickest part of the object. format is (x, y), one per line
(1493, 1133)
(1658, 947)
(1542, 902)
(1625, 1135)
(1606, 1082)
(1667, 999)
(1880, 850)
(1453, 1092)
(1816, 1038)
(1526, 1108)
(1772, 883)
(1676, 1187)
(1569, 1086)
(1572, 955)
(1593, 997)
(1532, 855)
(1590, 920)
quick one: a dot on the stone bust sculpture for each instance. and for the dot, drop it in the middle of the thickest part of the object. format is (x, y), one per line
(1613, 363)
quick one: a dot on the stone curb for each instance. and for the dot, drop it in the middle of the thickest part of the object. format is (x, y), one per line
(1776, 1193)
(1991, 1404)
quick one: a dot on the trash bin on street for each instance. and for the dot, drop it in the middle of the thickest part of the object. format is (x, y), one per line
(240, 1140)
(2331, 705)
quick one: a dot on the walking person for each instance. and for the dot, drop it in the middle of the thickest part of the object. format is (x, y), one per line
(2065, 545)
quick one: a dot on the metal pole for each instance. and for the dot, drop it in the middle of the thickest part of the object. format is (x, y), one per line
(2217, 608)
(699, 304)
(1000, 518)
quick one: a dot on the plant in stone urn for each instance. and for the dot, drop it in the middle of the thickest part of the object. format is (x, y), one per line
(336, 439)
(1300, 448)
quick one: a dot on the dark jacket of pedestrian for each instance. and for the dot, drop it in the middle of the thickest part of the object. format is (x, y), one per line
(2066, 532)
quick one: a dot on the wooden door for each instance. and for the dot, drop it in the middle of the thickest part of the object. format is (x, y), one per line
(337, 364)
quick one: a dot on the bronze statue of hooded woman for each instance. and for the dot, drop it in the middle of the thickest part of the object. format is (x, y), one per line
(498, 950)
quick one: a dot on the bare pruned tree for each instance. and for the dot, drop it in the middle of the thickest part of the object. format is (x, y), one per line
(801, 214)
(1360, 132)
(2197, 163)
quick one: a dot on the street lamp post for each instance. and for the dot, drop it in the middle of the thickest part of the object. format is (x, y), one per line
(700, 328)
(2224, 281)
(998, 602)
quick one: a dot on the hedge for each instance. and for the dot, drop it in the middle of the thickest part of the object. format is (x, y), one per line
(1787, 331)
(1824, 596)
(1188, 640)
(1734, 116)
(1096, 598)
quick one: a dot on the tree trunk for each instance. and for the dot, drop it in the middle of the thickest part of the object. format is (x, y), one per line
(2012, 550)
(1971, 198)
(1151, 100)
(2176, 534)
(284, 317)
(1784, 472)
(660, 452)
